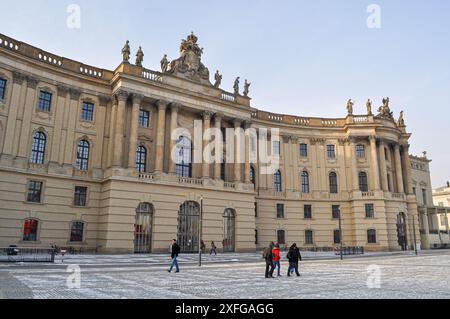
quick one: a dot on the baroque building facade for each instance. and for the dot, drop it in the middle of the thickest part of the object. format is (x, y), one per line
(86, 162)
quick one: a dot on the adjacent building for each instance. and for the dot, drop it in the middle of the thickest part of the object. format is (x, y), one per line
(89, 159)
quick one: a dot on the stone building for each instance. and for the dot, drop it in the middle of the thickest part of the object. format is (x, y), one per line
(433, 219)
(86, 162)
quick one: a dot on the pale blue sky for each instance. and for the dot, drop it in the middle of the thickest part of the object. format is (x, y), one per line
(302, 57)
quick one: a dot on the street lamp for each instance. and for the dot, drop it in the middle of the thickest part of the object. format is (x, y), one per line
(200, 233)
(340, 233)
(414, 235)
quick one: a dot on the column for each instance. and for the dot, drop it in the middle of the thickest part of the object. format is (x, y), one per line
(206, 140)
(383, 172)
(26, 121)
(71, 128)
(122, 98)
(407, 168)
(237, 152)
(59, 118)
(218, 147)
(447, 222)
(375, 166)
(354, 164)
(398, 169)
(248, 125)
(133, 140)
(10, 129)
(160, 134)
(174, 108)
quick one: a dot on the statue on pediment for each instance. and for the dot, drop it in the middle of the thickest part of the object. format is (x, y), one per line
(139, 57)
(369, 107)
(384, 111)
(401, 120)
(236, 86)
(350, 104)
(189, 64)
(164, 64)
(126, 52)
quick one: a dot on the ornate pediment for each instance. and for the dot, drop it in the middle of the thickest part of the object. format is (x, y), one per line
(189, 65)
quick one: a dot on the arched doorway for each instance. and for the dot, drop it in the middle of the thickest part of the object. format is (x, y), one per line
(143, 229)
(401, 231)
(188, 227)
(229, 223)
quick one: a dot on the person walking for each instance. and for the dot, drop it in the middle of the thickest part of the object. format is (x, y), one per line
(294, 256)
(213, 249)
(276, 259)
(174, 252)
(268, 256)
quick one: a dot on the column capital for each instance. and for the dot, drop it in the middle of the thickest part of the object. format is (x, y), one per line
(18, 77)
(104, 100)
(175, 107)
(219, 116)
(32, 82)
(206, 115)
(62, 90)
(74, 93)
(372, 139)
(162, 104)
(237, 123)
(122, 96)
(137, 98)
(248, 124)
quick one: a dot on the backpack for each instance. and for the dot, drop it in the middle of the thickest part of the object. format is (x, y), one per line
(265, 253)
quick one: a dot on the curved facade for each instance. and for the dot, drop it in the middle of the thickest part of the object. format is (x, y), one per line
(86, 163)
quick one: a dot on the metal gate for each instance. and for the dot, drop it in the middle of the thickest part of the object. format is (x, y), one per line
(229, 218)
(401, 231)
(143, 229)
(188, 227)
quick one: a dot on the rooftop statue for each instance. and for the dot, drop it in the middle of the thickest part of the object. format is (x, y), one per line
(350, 104)
(218, 78)
(369, 107)
(126, 52)
(189, 64)
(139, 57)
(384, 111)
(246, 88)
(236, 86)
(401, 120)
(164, 64)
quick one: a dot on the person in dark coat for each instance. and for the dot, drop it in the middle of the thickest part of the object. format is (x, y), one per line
(213, 249)
(174, 252)
(294, 256)
(268, 256)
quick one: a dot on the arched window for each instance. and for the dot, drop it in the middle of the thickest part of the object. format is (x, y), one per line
(333, 183)
(372, 236)
(38, 148)
(252, 175)
(305, 182)
(76, 232)
(184, 156)
(83, 149)
(363, 185)
(30, 230)
(141, 159)
(277, 181)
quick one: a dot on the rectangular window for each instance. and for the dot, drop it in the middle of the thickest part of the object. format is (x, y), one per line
(2, 89)
(45, 101)
(256, 237)
(256, 209)
(309, 237)
(80, 198)
(30, 230)
(144, 118)
(360, 151)
(276, 148)
(335, 210)
(307, 212)
(76, 232)
(424, 196)
(87, 112)
(331, 151)
(337, 236)
(281, 237)
(280, 210)
(34, 191)
(303, 150)
(370, 211)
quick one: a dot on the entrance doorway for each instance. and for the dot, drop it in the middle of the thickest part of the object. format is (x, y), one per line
(401, 231)
(143, 229)
(188, 227)
(229, 223)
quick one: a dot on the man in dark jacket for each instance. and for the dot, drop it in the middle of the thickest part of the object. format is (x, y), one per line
(174, 251)
(294, 256)
(268, 256)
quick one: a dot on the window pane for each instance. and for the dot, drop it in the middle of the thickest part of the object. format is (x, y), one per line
(372, 236)
(144, 118)
(335, 211)
(281, 237)
(82, 162)
(80, 198)
(45, 101)
(141, 159)
(305, 182)
(76, 233)
(337, 236)
(331, 151)
(34, 191)
(38, 148)
(307, 211)
(277, 182)
(333, 183)
(184, 156)
(276, 147)
(87, 112)
(360, 151)
(280, 210)
(30, 230)
(2, 89)
(370, 211)
(363, 186)
(303, 150)
(309, 237)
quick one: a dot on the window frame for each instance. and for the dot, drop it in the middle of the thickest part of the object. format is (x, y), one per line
(369, 210)
(34, 191)
(335, 211)
(183, 166)
(307, 241)
(278, 182)
(45, 99)
(141, 159)
(25, 235)
(87, 111)
(3, 89)
(338, 233)
(305, 182)
(78, 196)
(305, 216)
(333, 183)
(283, 237)
(363, 181)
(303, 150)
(38, 148)
(360, 151)
(144, 118)
(276, 148)
(82, 229)
(372, 234)
(331, 151)
(280, 211)
(82, 158)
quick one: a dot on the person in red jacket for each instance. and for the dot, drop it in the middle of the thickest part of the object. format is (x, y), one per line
(276, 258)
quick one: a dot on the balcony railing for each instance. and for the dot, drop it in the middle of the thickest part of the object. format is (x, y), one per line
(151, 75)
(191, 181)
(228, 97)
